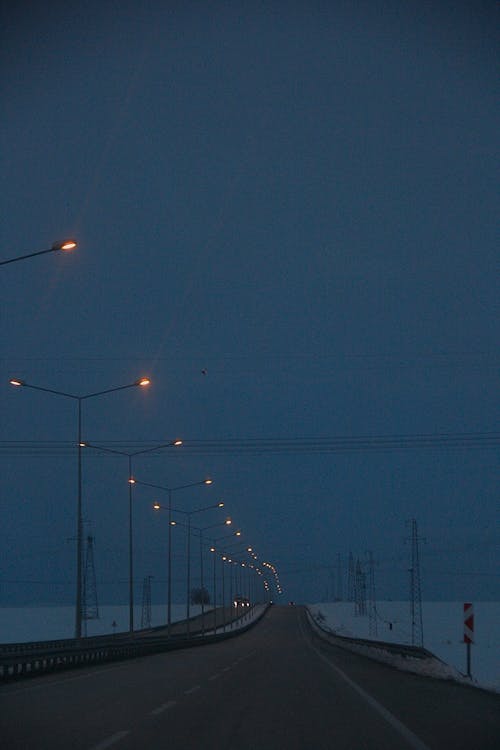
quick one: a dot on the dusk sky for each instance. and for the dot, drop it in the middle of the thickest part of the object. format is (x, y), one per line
(285, 215)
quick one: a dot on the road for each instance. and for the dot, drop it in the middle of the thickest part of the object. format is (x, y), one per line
(277, 687)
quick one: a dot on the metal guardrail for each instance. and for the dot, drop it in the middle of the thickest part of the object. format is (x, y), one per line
(39, 657)
(402, 649)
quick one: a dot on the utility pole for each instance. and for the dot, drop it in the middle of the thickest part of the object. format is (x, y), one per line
(417, 628)
(90, 608)
(146, 602)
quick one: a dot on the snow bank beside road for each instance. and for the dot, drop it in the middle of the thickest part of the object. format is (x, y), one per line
(443, 634)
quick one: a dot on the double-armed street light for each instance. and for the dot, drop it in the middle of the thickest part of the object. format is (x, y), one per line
(63, 246)
(141, 383)
(227, 522)
(190, 513)
(215, 551)
(170, 490)
(131, 481)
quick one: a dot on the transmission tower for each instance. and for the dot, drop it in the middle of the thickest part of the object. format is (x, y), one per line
(339, 578)
(372, 604)
(351, 579)
(90, 607)
(417, 628)
(360, 590)
(331, 595)
(146, 602)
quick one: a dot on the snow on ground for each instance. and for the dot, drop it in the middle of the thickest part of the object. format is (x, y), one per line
(20, 624)
(442, 629)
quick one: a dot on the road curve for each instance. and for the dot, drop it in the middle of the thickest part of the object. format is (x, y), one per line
(277, 687)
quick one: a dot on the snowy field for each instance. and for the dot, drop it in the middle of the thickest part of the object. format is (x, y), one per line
(19, 624)
(442, 628)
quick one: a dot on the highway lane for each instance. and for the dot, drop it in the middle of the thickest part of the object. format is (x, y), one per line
(276, 687)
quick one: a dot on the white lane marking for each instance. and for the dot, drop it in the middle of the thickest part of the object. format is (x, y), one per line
(192, 690)
(214, 677)
(163, 707)
(111, 740)
(226, 669)
(54, 683)
(411, 738)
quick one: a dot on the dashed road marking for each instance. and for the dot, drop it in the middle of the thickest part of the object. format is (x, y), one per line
(47, 683)
(192, 690)
(214, 677)
(111, 740)
(226, 669)
(163, 707)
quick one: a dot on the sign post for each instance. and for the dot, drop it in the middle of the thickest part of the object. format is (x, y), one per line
(468, 632)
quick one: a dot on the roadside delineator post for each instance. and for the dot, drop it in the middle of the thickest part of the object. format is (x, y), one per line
(468, 632)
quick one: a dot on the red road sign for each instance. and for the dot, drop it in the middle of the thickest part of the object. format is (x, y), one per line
(468, 623)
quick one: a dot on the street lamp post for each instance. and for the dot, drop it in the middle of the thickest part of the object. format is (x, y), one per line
(131, 481)
(63, 246)
(79, 531)
(190, 513)
(213, 549)
(171, 490)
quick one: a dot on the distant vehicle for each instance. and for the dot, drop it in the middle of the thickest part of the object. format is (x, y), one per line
(291, 604)
(241, 601)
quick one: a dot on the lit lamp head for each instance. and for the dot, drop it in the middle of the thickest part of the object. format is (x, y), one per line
(143, 382)
(65, 245)
(156, 506)
(16, 382)
(208, 481)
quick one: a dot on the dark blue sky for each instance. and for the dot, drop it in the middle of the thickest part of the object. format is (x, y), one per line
(296, 197)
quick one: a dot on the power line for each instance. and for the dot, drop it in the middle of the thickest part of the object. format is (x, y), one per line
(311, 446)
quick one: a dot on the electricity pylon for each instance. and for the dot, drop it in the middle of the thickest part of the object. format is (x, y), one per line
(417, 628)
(372, 604)
(351, 579)
(360, 590)
(90, 606)
(146, 602)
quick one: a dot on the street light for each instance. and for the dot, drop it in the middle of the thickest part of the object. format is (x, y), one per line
(131, 481)
(170, 490)
(63, 246)
(142, 382)
(214, 550)
(190, 513)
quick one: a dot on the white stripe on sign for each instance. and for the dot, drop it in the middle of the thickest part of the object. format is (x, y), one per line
(468, 622)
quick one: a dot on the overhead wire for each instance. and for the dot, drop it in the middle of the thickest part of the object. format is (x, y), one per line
(310, 445)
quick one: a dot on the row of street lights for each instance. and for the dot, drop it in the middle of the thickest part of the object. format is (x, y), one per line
(132, 481)
(141, 383)
(66, 246)
(170, 491)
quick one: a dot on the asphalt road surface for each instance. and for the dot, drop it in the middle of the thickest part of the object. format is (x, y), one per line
(277, 687)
